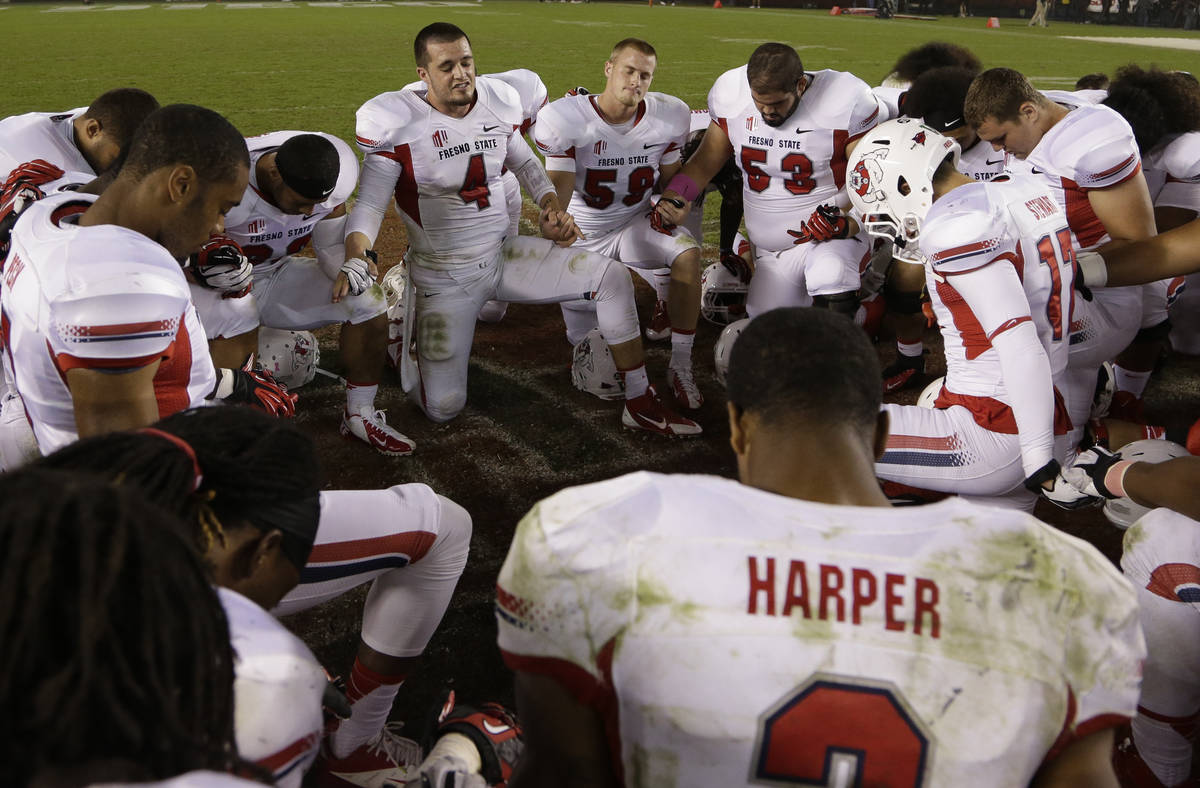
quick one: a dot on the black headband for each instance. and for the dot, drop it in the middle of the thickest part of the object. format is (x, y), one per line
(298, 179)
(297, 521)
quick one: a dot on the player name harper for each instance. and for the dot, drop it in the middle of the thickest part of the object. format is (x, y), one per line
(903, 604)
(466, 147)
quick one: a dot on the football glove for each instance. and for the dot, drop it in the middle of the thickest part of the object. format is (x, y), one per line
(1061, 493)
(493, 730)
(358, 274)
(1098, 472)
(659, 224)
(20, 190)
(827, 223)
(257, 389)
(735, 265)
(221, 266)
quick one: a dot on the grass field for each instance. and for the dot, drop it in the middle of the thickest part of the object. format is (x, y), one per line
(526, 432)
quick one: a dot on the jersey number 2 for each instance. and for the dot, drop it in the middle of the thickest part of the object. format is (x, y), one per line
(839, 734)
(475, 188)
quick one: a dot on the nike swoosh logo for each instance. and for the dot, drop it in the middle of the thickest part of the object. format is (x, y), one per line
(989, 162)
(648, 147)
(1036, 171)
(490, 128)
(495, 730)
(429, 295)
(658, 423)
(803, 131)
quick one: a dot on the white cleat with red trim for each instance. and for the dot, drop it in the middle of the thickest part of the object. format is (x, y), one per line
(368, 425)
(386, 761)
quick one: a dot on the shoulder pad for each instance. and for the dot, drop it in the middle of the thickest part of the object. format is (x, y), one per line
(962, 231)
(528, 85)
(388, 120)
(1181, 157)
(501, 98)
(730, 93)
(673, 111)
(129, 315)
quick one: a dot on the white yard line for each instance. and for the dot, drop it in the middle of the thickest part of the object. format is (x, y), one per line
(1192, 44)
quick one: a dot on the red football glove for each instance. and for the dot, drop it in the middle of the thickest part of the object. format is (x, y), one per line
(221, 265)
(736, 265)
(494, 731)
(660, 224)
(827, 223)
(38, 172)
(259, 390)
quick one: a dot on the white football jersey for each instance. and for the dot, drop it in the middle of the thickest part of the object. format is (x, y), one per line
(529, 87)
(981, 162)
(201, 779)
(1173, 172)
(1092, 147)
(102, 297)
(788, 171)
(890, 99)
(448, 188)
(49, 136)
(278, 685)
(731, 636)
(267, 234)
(615, 167)
(1009, 221)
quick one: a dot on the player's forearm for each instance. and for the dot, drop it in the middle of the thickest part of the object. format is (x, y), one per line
(731, 218)
(376, 184)
(329, 242)
(564, 185)
(1171, 484)
(1026, 373)
(1174, 253)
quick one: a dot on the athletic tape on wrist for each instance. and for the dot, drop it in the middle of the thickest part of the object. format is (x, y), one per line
(685, 187)
(1114, 478)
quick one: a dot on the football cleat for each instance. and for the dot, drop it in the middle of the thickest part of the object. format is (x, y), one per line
(902, 372)
(648, 413)
(369, 426)
(386, 761)
(1125, 406)
(683, 386)
(660, 323)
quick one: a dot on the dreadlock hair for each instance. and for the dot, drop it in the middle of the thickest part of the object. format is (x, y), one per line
(935, 54)
(116, 647)
(1156, 103)
(244, 465)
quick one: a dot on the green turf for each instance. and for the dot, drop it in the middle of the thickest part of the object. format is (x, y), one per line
(293, 65)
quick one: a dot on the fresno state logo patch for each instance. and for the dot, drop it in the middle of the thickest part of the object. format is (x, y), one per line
(256, 226)
(439, 138)
(860, 179)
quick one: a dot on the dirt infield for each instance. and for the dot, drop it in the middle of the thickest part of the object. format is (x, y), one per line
(525, 433)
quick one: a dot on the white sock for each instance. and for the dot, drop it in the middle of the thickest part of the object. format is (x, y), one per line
(910, 349)
(681, 348)
(662, 283)
(1131, 380)
(636, 382)
(371, 696)
(359, 396)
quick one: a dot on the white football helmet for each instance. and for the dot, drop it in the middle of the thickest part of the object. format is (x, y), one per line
(593, 369)
(890, 180)
(1123, 512)
(930, 393)
(394, 283)
(1106, 387)
(724, 347)
(722, 295)
(291, 357)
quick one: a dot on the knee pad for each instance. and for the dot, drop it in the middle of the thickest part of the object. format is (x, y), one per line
(445, 407)
(433, 337)
(454, 524)
(843, 303)
(902, 302)
(1155, 333)
(615, 283)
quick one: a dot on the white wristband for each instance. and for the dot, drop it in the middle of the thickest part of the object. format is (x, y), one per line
(1092, 268)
